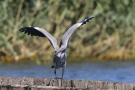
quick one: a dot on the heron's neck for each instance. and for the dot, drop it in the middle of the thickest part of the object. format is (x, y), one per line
(60, 50)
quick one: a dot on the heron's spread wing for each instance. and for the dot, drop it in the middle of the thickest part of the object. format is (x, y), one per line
(36, 31)
(69, 32)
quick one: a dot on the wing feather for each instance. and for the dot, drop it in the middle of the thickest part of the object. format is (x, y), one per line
(36, 31)
(70, 31)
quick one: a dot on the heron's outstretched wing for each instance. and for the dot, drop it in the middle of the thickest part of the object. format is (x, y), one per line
(36, 31)
(69, 32)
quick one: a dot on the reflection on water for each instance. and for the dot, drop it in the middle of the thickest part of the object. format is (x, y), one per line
(106, 71)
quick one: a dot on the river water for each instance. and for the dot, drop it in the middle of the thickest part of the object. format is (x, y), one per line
(114, 71)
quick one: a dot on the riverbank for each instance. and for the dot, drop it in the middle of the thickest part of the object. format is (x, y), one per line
(71, 58)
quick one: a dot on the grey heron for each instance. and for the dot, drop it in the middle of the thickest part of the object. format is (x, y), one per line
(59, 58)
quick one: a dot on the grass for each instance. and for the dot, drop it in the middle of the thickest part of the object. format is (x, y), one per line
(110, 35)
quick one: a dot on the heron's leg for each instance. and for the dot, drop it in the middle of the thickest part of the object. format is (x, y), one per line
(55, 72)
(63, 69)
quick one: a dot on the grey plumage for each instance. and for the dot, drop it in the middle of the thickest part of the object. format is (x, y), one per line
(59, 59)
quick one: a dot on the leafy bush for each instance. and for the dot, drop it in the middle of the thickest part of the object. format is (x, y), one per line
(110, 34)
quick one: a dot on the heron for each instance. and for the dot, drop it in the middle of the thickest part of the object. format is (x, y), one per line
(59, 58)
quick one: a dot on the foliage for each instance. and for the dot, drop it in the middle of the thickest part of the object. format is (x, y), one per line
(110, 34)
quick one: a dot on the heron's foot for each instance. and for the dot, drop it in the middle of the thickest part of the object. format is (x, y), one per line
(57, 78)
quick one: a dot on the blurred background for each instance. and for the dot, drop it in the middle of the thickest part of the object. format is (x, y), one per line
(109, 39)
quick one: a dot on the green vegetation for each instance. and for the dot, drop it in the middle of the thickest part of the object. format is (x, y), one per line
(110, 35)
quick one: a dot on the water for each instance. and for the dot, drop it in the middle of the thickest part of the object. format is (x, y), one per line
(121, 71)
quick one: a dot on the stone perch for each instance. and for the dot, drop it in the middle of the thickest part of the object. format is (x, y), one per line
(20, 83)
